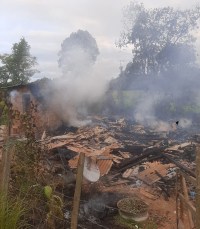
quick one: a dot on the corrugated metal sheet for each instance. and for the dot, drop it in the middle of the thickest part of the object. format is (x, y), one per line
(74, 161)
(105, 165)
(149, 176)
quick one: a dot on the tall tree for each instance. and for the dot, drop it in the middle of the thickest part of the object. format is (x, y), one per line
(17, 67)
(78, 52)
(164, 58)
(156, 34)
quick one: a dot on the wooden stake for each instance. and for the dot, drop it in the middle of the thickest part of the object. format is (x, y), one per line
(181, 202)
(77, 194)
(5, 165)
(177, 198)
(191, 223)
(8, 124)
(197, 197)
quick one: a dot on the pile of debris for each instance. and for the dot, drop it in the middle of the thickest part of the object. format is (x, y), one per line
(125, 151)
(142, 158)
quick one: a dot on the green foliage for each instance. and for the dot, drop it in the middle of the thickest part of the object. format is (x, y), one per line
(164, 56)
(131, 98)
(12, 213)
(172, 108)
(28, 153)
(77, 48)
(132, 224)
(160, 37)
(55, 207)
(127, 222)
(48, 191)
(96, 108)
(17, 66)
(4, 116)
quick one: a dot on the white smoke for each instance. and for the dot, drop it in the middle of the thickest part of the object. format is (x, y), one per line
(145, 114)
(81, 84)
(185, 123)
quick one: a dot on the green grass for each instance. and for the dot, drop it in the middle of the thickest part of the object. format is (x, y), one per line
(131, 99)
(12, 213)
(132, 224)
(127, 222)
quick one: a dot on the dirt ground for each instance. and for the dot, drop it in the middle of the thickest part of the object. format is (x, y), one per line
(161, 209)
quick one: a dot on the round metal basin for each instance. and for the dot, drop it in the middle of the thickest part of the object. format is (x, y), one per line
(141, 216)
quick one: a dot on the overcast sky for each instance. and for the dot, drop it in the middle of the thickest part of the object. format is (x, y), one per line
(46, 23)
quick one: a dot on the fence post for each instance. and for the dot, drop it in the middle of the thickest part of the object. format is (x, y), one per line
(198, 186)
(5, 165)
(77, 194)
(191, 223)
(6, 161)
(177, 198)
(181, 202)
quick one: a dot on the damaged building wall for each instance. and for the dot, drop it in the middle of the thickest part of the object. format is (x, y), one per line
(22, 95)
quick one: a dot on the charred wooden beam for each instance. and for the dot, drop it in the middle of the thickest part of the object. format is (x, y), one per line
(139, 162)
(161, 177)
(147, 153)
(164, 190)
(128, 148)
(179, 165)
(131, 160)
(149, 137)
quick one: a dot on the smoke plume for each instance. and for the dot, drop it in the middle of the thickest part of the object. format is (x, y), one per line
(82, 84)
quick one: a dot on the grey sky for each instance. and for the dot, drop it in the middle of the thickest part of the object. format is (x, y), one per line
(46, 23)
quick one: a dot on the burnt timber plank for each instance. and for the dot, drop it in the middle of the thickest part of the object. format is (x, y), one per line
(137, 163)
(179, 165)
(164, 190)
(130, 148)
(131, 160)
(147, 153)
(161, 177)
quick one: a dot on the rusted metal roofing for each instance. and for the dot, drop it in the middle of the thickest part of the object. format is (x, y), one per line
(105, 165)
(74, 161)
(149, 176)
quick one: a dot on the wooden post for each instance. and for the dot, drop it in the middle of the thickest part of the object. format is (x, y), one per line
(191, 223)
(5, 165)
(8, 124)
(197, 197)
(177, 198)
(181, 202)
(77, 194)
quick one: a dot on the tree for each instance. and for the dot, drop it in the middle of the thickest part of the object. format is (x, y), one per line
(164, 58)
(17, 67)
(78, 52)
(157, 33)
